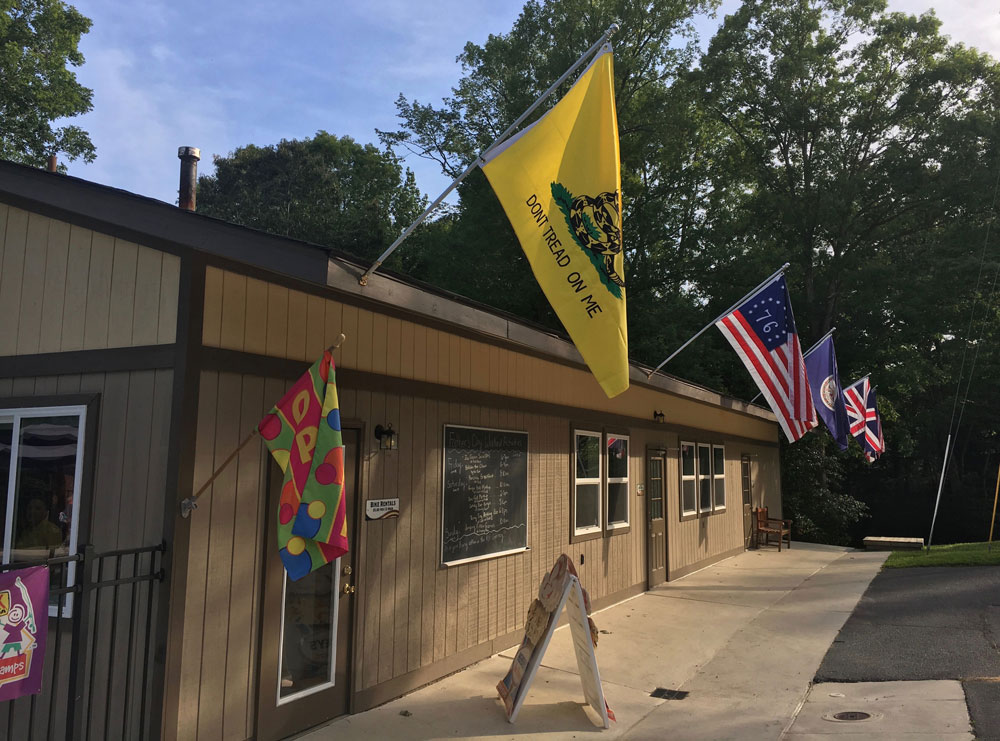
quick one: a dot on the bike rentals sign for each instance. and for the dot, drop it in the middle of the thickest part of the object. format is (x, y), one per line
(24, 600)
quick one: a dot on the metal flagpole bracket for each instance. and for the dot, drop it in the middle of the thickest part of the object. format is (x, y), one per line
(712, 323)
(188, 505)
(612, 29)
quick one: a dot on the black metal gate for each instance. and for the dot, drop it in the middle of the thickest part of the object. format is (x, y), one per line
(98, 676)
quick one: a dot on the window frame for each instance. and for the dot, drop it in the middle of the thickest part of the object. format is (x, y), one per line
(702, 510)
(626, 524)
(687, 514)
(697, 478)
(604, 529)
(87, 407)
(17, 414)
(716, 507)
(591, 531)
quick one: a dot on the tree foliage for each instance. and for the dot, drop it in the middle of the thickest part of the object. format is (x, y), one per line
(38, 45)
(859, 145)
(503, 77)
(856, 144)
(329, 190)
(862, 144)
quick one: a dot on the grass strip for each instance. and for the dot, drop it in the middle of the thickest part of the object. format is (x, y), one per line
(956, 554)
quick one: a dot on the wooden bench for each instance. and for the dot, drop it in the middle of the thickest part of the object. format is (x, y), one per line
(768, 526)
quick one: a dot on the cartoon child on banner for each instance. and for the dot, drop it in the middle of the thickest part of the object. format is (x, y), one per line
(22, 636)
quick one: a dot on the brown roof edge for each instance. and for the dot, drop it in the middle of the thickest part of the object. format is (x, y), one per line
(164, 226)
(342, 275)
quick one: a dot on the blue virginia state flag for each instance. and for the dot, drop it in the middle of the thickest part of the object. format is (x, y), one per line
(821, 366)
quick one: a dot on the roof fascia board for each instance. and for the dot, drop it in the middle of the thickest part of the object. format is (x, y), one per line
(155, 223)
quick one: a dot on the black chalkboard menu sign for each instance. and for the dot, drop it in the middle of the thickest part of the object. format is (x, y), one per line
(484, 509)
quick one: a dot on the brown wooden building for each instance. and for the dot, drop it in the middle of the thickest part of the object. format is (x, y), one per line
(176, 332)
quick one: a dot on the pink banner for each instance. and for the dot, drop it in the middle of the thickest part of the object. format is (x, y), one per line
(24, 621)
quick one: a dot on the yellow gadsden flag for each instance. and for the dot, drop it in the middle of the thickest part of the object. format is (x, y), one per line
(559, 180)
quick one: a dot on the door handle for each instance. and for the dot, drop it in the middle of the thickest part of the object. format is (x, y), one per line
(349, 588)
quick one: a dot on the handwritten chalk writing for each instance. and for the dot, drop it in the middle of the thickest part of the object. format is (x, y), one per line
(484, 493)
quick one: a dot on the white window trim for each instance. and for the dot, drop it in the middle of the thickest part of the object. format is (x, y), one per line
(627, 522)
(600, 477)
(716, 507)
(331, 679)
(17, 413)
(711, 485)
(693, 477)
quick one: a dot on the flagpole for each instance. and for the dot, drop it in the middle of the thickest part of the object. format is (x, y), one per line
(944, 466)
(190, 504)
(612, 29)
(701, 331)
(805, 355)
(993, 519)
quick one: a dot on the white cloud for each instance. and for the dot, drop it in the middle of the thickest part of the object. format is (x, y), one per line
(974, 23)
(137, 125)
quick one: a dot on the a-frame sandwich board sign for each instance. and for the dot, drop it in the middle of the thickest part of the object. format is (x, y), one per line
(586, 659)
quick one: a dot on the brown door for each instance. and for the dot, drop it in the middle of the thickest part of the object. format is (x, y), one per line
(656, 538)
(306, 628)
(747, 479)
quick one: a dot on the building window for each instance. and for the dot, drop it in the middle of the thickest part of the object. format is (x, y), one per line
(718, 477)
(745, 477)
(587, 483)
(41, 466)
(703, 478)
(689, 484)
(601, 497)
(618, 509)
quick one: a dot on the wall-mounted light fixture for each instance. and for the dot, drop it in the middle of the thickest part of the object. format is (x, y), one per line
(386, 437)
(658, 416)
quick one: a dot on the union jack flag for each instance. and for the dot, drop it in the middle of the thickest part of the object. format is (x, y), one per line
(762, 331)
(866, 423)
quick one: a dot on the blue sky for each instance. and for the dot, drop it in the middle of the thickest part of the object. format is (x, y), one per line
(220, 74)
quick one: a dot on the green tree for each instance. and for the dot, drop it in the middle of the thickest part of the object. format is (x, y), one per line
(38, 45)
(329, 190)
(503, 77)
(861, 147)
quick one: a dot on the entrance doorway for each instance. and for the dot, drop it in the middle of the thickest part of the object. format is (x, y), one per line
(307, 628)
(656, 531)
(746, 476)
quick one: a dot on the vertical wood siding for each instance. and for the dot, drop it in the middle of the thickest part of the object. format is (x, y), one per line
(411, 611)
(127, 500)
(125, 506)
(64, 288)
(243, 313)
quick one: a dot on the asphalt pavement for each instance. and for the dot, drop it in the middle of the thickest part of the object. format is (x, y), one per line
(922, 624)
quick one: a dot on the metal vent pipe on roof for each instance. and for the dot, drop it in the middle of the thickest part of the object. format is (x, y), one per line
(189, 157)
(52, 165)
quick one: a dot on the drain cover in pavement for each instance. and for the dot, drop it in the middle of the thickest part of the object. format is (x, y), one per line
(665, 694)
(847, 716)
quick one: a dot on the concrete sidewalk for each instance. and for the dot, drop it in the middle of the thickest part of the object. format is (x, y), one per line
(743, 638)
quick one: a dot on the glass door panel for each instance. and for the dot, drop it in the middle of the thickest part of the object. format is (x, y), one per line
(309, 628)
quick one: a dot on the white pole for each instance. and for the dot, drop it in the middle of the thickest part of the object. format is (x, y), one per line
(944, 465)
(612, 29)
(701, 331)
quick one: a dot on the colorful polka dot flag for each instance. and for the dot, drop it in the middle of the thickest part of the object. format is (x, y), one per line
(302, 432)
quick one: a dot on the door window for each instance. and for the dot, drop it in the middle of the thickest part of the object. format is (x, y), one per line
(308, 653)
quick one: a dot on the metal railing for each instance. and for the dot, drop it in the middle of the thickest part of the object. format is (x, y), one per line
(98, 673)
